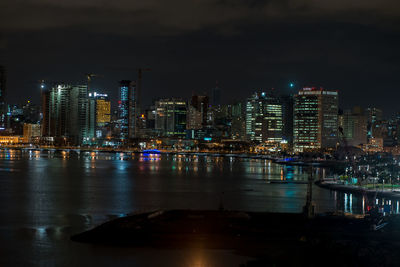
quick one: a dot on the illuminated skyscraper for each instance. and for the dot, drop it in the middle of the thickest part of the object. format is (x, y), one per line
(170, 117)
(79, 111)
(264, 118)
(99, 114)
(45, 103)
(315, 119)
(65, 113)
(59, 115)
(126, 109)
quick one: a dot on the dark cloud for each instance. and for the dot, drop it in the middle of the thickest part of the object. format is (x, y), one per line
(351, 46)
(179, 16)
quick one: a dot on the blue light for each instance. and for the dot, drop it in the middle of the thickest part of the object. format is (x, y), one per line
(151, 151)
(207, 138)
(291, 85)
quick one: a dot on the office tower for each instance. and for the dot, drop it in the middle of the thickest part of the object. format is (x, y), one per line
(3, 106)
(197, 112)
(315, 119)
(354, 126)
(126, 108)
(78, 112)
(264, 118)
(99, 115)
(65, 113)
(45, 103)
(374, 116)
(216, 96)
(238, 123)
(170, 119)
(287, 109)
(194, 118)
(59, 107)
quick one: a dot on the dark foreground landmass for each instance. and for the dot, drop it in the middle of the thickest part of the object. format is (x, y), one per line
(273, 239)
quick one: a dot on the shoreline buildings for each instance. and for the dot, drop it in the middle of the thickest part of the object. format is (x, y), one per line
(264, 120)
(65, 110)
(126, 109)
(315, 119)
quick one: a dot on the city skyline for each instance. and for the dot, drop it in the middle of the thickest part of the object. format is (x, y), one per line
(199, 133)
(350, 47)
(225, 96)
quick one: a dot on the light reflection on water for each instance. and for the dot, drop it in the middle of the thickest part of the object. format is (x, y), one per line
(45, 196)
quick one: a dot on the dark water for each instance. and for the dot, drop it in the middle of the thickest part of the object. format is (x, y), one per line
(47, 196)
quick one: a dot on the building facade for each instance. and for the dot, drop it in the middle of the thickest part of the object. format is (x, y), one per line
(99, 115)
(354, 126)
(315, 119)
(264, 118)
(197, 112)
(170, 117)
(65, 113)
(31, 132)
(126, 109)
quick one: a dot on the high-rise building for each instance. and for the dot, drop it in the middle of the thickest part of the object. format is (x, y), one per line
(287, 109)
(194, 118)
(126, 109)
(354, 126)
(315, 119)
(238, 124)
(59, 107)
(216, 96)
(65, 112)
(374, 116)
(264, 118)
(79, 110)
(45, 100)
(197, 112)
(170, 119)
(99, 114)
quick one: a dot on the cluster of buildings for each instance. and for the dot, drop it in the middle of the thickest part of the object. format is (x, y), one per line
(309, 120)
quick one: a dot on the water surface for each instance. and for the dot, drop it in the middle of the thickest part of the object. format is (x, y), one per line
(45, 196)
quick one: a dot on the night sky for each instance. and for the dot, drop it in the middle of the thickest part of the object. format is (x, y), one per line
(345, 45)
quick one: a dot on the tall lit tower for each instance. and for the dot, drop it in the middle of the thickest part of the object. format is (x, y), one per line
(99, 114)
(264, 118)
(126, 109)
(45, 103)
(315, 119)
